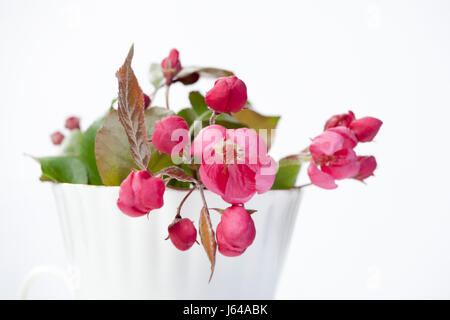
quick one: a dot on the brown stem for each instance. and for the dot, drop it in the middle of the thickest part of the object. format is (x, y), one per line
(212, 120)
(306, 185)
(200, 188)
(167, 96)
(182, 202)
(304, 155)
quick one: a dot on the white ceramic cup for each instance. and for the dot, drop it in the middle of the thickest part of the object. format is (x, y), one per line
(113, 256)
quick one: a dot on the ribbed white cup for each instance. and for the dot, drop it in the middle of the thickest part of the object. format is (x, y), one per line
(113, 256)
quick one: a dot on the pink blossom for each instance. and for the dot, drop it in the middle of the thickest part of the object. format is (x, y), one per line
(234, 163)
(235, 232)
(57, 138)
(169, 133)
(333, 157)
(367, 165)
(339, 120)
(365, 129)
(182, 233)
(229, 94)
(72, 123)
(171, 65)
(140, 193)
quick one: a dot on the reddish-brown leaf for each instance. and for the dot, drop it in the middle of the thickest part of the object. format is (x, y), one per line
(177, 173)
(190, 75)
(257, 121)
(208, 238)
(221, 211)
(131, 113)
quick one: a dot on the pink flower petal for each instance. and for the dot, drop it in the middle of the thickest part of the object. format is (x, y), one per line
(214, 177)
(346, 165)
(265, 176)
(217, 98)
(240, 185)
(126, 201)
(365, 129)
(207, 138)
(224, 247)
(169, 133)
(350, 140)
(238, 95)
(319, 178)
(249, 142)
(367, 165)
(340, 120)
(229, 94)
(328, 142)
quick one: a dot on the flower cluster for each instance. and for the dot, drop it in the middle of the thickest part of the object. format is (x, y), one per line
(332, 152)
(234, 163)
(213, 145)
(72, 123)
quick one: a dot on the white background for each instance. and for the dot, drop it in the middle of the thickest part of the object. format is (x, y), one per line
(305, 60)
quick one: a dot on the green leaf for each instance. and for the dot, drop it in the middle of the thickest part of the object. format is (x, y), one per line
(112, 149)
(179, 184)
(213, 72)
(72, 144)
(200, 112)
(65, 169)
(87, 154)
(229, 122)
(288, 169)
(198, 102)
(256, 121)
(159, 160)
(223, 119)
(154, 114)
(189, 115)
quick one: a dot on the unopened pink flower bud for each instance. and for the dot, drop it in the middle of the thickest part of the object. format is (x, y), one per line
(147, 101)
(57, 138)
(182, 233)
(171, 65)
(367, 165)
(235, 232)
(340, 120)
(72, 123)
(229, 94)
(165, 136)
(140, 193)
(365, 129)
